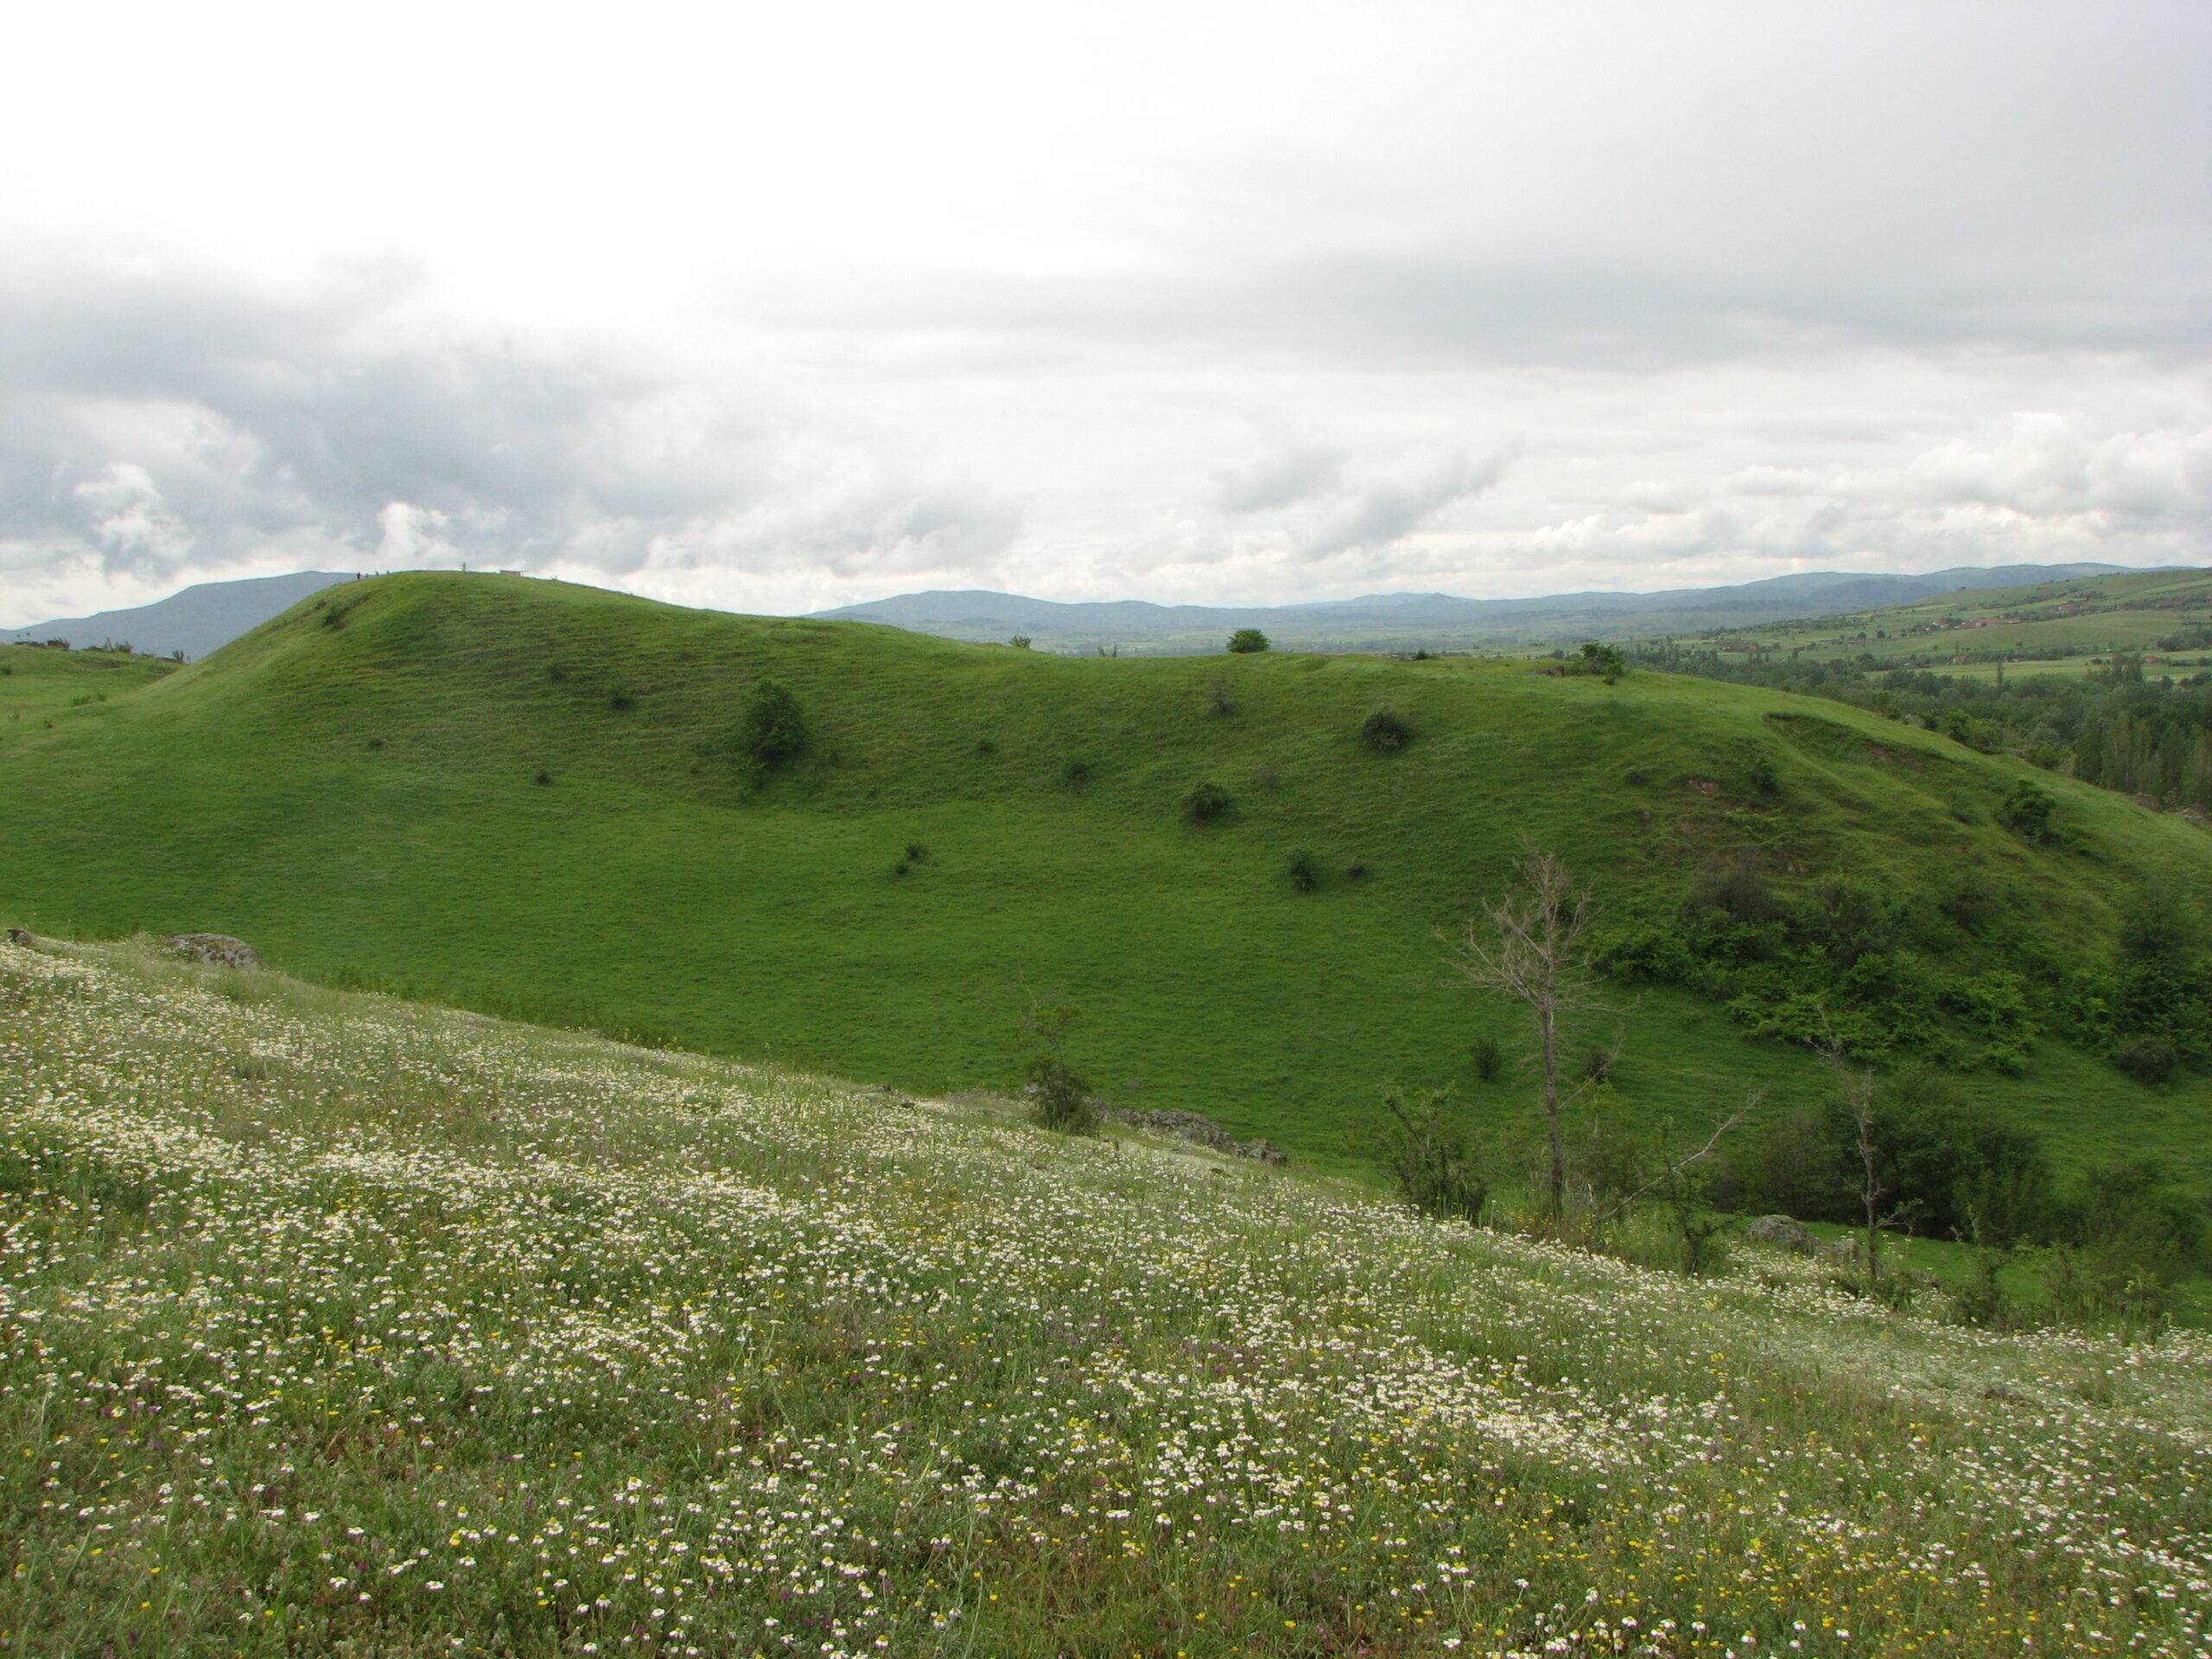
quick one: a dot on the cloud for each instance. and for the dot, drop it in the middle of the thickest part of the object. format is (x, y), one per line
(1295, 470)
(1388, 509)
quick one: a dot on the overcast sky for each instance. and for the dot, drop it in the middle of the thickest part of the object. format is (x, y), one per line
(801, 305)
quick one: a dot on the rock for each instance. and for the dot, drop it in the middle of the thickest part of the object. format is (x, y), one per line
(19, 936)
(1783, 1231)
(218, 948)
(1202, 1131)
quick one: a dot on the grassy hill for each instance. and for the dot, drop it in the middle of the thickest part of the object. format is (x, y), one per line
(332, 1326)
(354, 788)
(2055, 627)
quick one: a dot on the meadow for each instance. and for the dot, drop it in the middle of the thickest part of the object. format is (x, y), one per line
(530, 800)
(335, 1324)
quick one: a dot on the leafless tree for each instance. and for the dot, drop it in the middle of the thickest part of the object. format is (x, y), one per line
(1855, 1088)
(1532, 944)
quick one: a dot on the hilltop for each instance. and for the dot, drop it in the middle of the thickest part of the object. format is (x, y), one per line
(524, 797)
(330, 1325)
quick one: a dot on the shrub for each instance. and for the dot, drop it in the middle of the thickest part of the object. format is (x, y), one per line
(376, 742)
(1356, 873)
(1765, 779)
(1219, 696)
(1245, 641)
(1076, 774)
(1019, 642)
(1489, 1059)
(1431, 1157)
(774, 727)
(915, 855)
(1735, 887)
(2148, 1059)
(1385, 733)
(556, 672)
(1058, 1097)
(987, 746)
(2027, 811)
(1305, 870)
(620, 701)
(543, 777)
(1597, 1064)
(1206, 803)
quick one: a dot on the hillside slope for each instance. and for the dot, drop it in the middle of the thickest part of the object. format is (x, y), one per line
(333, 1326)
(352, 787)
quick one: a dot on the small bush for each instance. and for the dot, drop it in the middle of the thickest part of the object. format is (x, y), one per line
(1219, 696)
(621, 701)
(1765, 779)
(376, 742)
(1489, 1059)
(1058, 1097)
(2027, 811)
(987, 746)
(1385, 733)
(1246, 640)
(1735, 887)
(1206, 803)
(1019, 642)
(774, 727)
(2147, 1059)
(556, 672)
(917, 853)
(1076, 774)
(1305, 871)
(1356, 873)
(543, 777)
(1431, 1157)
(1597, 1064)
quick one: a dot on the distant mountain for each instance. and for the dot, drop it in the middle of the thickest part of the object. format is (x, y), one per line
(1384, 621)
(196, 620)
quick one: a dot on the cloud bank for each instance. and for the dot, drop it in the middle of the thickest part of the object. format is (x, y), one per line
(1327, 301)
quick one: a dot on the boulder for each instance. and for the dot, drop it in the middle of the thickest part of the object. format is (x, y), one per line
(218, 948)
(1782, 1231)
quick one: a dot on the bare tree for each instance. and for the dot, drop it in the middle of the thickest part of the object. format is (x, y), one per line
(1855, 1088)
(1531, 944)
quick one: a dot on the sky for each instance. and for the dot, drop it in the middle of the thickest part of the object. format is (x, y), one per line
(777, 308)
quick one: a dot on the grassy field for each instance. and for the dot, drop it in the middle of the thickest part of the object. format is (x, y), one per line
(2055, 627)
(37, 684)
(360, 799)
(330, 1325)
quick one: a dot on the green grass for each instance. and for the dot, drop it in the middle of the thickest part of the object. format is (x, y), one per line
(358, 798)
(330, 1325)
(2054, 626)
(37, 684)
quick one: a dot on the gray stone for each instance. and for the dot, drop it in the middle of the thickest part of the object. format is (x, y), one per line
(218, 948)
(1783, 1231)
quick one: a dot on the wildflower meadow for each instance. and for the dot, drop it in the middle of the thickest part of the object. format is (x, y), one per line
(334, 1324)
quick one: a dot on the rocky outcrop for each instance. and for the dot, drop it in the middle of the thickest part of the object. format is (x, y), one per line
(1189, 1126)
(218, 948)
(1782, 1231)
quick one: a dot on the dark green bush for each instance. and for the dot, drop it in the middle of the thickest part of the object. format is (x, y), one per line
(1246, 640)
(2148, 1059)
(2027, 811)
(1489, 1059)
(543, 777)
(1206, 803)
(1384, 732)
(620, 701)
(1059, 1098)
(1076, 774)
(774, 727)
(1426, 1147)
(1735, 887)
(1305, 870)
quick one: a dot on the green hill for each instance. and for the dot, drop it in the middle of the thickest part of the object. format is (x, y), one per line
(355, 787)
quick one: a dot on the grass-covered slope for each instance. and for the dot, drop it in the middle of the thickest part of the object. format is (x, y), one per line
(332, 1327)
(352, 787)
